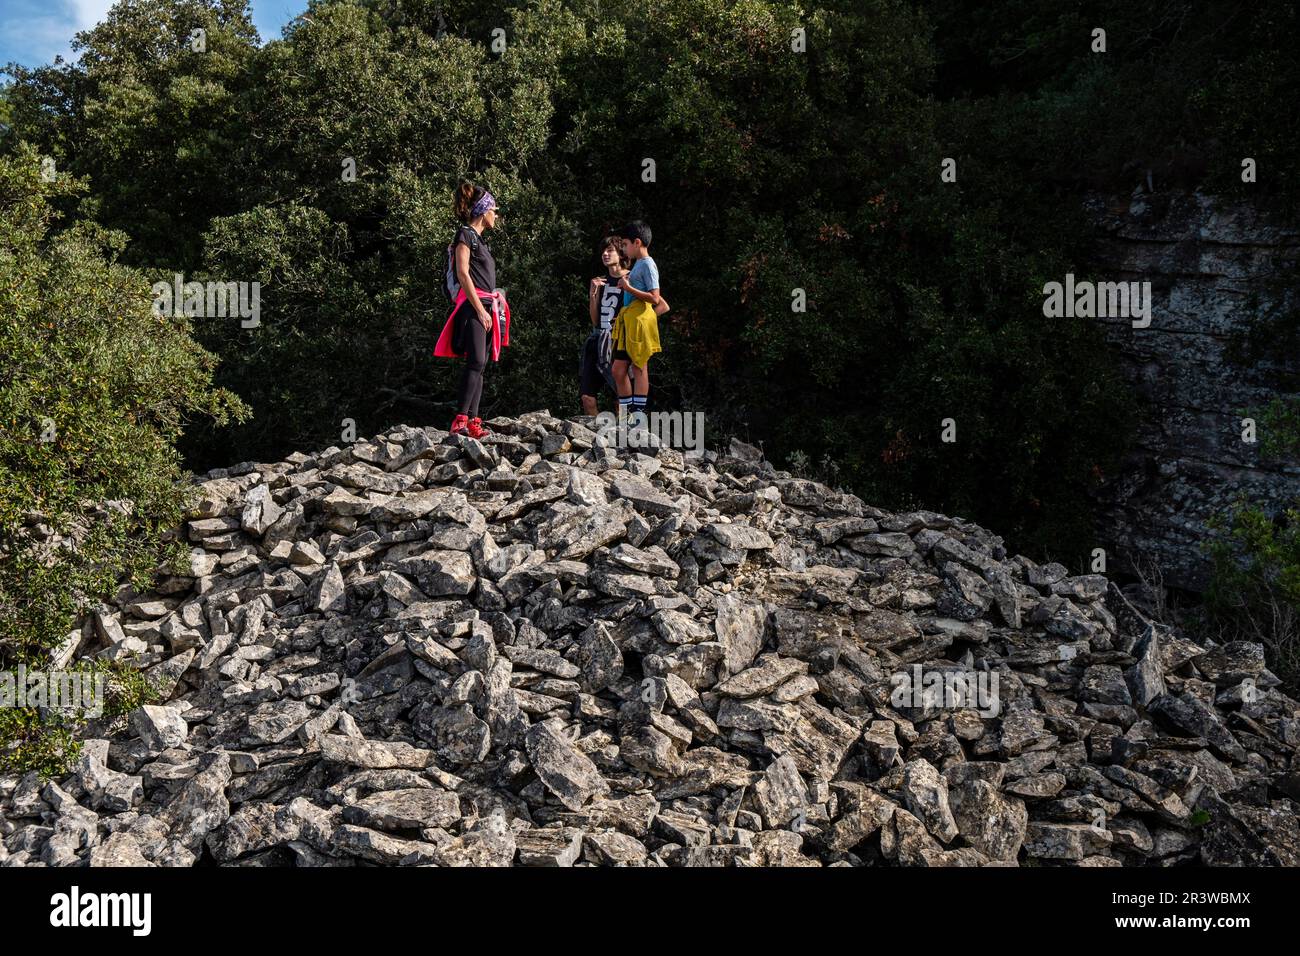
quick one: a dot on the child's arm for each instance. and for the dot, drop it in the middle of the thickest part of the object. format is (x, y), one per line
(652, 296)
(593, 300)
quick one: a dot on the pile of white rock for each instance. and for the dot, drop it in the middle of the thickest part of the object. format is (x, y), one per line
(541, 649)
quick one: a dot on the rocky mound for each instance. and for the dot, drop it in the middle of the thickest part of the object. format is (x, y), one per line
(542, 650)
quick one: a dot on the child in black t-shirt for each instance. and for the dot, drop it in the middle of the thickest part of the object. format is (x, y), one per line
(604, 301)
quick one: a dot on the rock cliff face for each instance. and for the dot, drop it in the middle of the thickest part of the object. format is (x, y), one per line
(541, 650)
(1214, 266)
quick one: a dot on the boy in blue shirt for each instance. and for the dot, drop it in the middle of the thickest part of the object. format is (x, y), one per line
(636, 333)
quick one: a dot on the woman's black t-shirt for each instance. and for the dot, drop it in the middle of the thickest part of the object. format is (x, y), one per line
(482, 267)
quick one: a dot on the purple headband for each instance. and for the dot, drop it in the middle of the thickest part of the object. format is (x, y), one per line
(486, 202)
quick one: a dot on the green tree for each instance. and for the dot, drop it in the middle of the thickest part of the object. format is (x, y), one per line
(150, 111)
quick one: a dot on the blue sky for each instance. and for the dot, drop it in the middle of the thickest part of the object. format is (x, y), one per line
(33, 32)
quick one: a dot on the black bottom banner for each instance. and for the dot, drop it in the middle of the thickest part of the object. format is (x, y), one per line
(140, 907)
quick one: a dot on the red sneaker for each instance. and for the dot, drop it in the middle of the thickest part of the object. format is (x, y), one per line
(460, 425)
(475, 428)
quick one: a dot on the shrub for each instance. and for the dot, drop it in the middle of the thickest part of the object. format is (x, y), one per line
(1255, 589)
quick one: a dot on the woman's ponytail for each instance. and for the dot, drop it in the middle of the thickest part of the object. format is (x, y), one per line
(466, 195)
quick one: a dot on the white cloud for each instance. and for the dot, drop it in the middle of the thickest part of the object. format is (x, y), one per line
(86, 13)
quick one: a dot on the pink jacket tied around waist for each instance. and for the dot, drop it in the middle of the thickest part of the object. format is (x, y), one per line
(500, 325)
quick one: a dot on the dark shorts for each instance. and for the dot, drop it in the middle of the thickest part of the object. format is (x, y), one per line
(590, 381)
(621, 356)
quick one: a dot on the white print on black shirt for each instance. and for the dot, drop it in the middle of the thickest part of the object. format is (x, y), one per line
(611, 300)
(103, 909)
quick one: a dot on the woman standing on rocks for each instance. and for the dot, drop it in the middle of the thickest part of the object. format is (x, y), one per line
(479, 323)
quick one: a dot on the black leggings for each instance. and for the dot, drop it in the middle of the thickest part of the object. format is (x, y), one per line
(474, 344)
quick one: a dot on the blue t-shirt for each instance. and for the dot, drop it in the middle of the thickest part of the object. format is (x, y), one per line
(644, 276)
